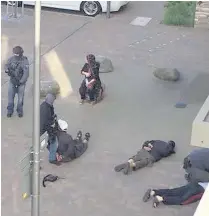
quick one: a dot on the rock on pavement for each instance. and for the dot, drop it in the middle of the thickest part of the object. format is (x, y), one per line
(167, 74)
(105, 64)
(49, 87)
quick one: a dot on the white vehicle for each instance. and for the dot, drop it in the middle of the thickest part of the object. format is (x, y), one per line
(89, 8)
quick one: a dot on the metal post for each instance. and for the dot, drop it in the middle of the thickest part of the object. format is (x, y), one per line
(22, 8)
(16, 7)
(108, 9)
(35, 205)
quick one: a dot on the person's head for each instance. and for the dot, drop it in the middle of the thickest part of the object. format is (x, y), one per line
(18, 51)
(50, 98)
(172, 143)
(63, 125)
(91, 59)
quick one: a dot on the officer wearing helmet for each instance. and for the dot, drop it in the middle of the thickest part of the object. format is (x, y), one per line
(151, 152)
(17, 68)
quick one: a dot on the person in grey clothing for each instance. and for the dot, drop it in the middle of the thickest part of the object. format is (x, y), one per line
(151, 152)
(17, 68)
(196, 165)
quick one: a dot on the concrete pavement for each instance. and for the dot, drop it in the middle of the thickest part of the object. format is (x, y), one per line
(137, 107)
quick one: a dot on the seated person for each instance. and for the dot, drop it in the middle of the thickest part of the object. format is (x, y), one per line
(196, 165)
(184, 195)
(68, 148)
(91, 85)
(151, 152)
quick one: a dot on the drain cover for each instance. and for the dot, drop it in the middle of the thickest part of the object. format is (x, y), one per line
(141, 21)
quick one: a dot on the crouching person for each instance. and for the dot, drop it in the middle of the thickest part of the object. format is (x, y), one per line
(151, 152)
(69, 148)
(190, 193)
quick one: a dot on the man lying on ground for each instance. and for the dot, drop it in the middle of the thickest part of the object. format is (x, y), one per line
(151, 152)
(184, 195)
(69, 148)
(196, 165)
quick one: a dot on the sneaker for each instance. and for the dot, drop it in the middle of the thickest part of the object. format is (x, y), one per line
(9, 115)
(93, 102)
(79, 135)
(127, 169)
(81, 101)
(120, 167)
(55, 163)
(20, 115)
(87, 136)
(146, 196)
(156, 202)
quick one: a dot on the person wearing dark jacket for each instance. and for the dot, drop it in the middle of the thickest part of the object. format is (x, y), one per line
(69, 148)
(151, 152)
(196, 165)
(48, 124)
(17, 68)
(91, 85)
(183, 195)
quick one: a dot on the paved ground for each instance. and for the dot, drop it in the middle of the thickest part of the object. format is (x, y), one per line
(137, 107)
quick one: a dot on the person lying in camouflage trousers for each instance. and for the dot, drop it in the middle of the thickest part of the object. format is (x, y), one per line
(151, 152)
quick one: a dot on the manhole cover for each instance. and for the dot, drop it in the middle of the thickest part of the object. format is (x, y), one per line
(141, 21)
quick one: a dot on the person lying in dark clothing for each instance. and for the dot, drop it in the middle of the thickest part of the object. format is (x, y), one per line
(69, 148)
(196, 165)
(184, 195)
(151, 152)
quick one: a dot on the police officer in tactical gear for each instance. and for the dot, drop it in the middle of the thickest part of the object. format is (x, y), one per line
(17, 68)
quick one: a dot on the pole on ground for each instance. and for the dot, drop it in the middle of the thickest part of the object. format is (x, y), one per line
(108, 9)
(35, 203)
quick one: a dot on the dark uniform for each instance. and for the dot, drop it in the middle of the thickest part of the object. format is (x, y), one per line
(69, 148)
(48, 124)
(151, 152)
(196, 165)
(17, 68)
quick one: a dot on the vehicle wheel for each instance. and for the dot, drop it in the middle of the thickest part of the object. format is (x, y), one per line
(91, 8)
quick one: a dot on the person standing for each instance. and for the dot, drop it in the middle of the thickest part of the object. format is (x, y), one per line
(48, 123)
(17, 68)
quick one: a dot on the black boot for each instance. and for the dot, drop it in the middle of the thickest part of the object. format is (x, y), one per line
(127, 169)
(120, 167)
(79, 136)
(87, 136)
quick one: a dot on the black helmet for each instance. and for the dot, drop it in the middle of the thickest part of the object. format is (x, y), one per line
(18, 50)
(172, 143)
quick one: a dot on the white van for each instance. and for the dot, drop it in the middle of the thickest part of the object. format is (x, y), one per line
(89, 8)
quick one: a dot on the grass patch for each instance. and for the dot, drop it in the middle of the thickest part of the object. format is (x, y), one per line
(180, 13)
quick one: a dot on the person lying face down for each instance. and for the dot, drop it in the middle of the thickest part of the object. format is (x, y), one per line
(184, 195)
(151, 152)
(69, 148)
(196, 165)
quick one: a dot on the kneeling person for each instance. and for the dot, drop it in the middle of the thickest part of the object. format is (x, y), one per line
(151, 152)
(69, 148)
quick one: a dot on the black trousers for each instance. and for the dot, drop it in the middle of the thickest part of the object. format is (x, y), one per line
(181, 195)
(83, 90)
(79, 148)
